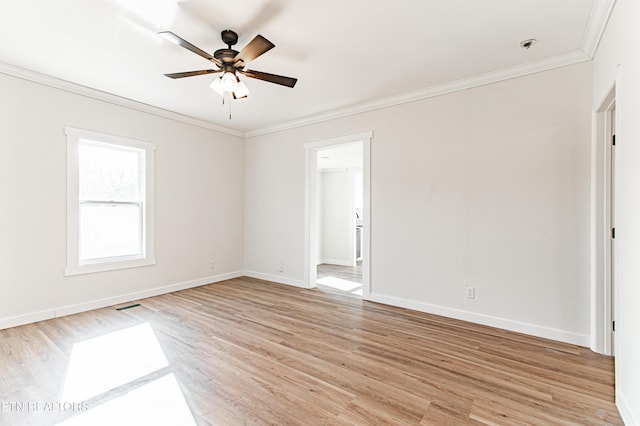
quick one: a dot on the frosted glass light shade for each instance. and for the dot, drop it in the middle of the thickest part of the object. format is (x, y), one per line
(229, 82)
(241, 91)
(216, 85)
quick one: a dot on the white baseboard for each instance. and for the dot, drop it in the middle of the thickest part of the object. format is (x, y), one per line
(520, 327)
(534, 330)
(626, 412)
(110, 301)
(276, 279)
(29, 318)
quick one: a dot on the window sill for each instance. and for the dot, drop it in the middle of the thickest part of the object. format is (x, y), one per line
(108, 266)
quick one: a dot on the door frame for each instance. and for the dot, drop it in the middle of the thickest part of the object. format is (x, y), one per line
(602, 206)
(311, 202)
(610, 201)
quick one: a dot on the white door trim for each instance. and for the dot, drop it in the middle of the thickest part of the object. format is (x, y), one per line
(310, 200)
(601, 221)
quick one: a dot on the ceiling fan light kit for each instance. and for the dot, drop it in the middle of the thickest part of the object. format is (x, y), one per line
(230, 63)
(229, 82)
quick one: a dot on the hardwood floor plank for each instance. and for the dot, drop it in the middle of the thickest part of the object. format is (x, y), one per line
(246, 351)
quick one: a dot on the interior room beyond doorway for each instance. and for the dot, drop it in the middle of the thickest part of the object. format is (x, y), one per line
(340, 219)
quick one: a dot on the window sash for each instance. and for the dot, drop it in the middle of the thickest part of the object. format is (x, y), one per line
(74, 265)
(139, 251)
(138, 181)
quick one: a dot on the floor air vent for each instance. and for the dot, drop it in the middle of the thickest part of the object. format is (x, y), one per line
(122, 308)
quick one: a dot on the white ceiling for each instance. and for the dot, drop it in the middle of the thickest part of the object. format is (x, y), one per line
(345, 54)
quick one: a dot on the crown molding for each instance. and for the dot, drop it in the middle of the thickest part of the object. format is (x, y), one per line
(599, 16)
(546, 64)
(598, 19)
(78, 89)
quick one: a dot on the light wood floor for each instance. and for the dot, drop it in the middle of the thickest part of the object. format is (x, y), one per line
(345, 280)
(249, 352)
(349, 273)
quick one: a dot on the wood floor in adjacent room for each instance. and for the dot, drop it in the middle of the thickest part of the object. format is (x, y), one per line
(250, 352)
(345, 280)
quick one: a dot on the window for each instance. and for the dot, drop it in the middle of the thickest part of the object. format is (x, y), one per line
(109, 201)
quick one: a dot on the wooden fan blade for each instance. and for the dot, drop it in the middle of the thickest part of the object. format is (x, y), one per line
(184, 43)
(271, 78)
(191, 73)
(255, 48)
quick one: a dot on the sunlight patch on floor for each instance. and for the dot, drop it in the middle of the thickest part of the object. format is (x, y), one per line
(114, 362)
(341, 284)
(160, 402)
(106, 362)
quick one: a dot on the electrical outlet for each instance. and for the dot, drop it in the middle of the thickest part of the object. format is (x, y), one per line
(281, 268)
(212, 265)
(470, 292)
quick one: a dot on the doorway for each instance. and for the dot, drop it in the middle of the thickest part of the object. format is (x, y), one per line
(337, 215)
(340, 219)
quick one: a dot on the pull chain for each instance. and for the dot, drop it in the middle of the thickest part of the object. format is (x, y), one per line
(227, 102)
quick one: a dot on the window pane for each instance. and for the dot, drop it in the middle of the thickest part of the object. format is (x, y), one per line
(110, 230)
(109, 173)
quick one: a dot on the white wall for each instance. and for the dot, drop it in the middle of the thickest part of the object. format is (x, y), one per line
(487, 187)
(198, 200)
(337, 230)
(274, 213)
(619, 46)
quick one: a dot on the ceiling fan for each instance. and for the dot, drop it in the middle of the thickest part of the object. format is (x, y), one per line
(231, 63)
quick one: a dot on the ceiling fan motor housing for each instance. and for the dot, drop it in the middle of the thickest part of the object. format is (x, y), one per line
(225, 56)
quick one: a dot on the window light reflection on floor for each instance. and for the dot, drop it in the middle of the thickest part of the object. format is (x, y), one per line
(158, 403)
(106, 362)
(127, 362)
(342, 285)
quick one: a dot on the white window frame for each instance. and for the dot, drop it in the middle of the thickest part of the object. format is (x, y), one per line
(74, 266)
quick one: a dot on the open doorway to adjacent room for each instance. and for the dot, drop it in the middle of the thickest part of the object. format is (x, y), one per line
(340, 219)
(338, 215)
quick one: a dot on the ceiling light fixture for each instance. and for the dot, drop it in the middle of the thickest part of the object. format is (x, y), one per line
(229, 62)
(229, 82)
